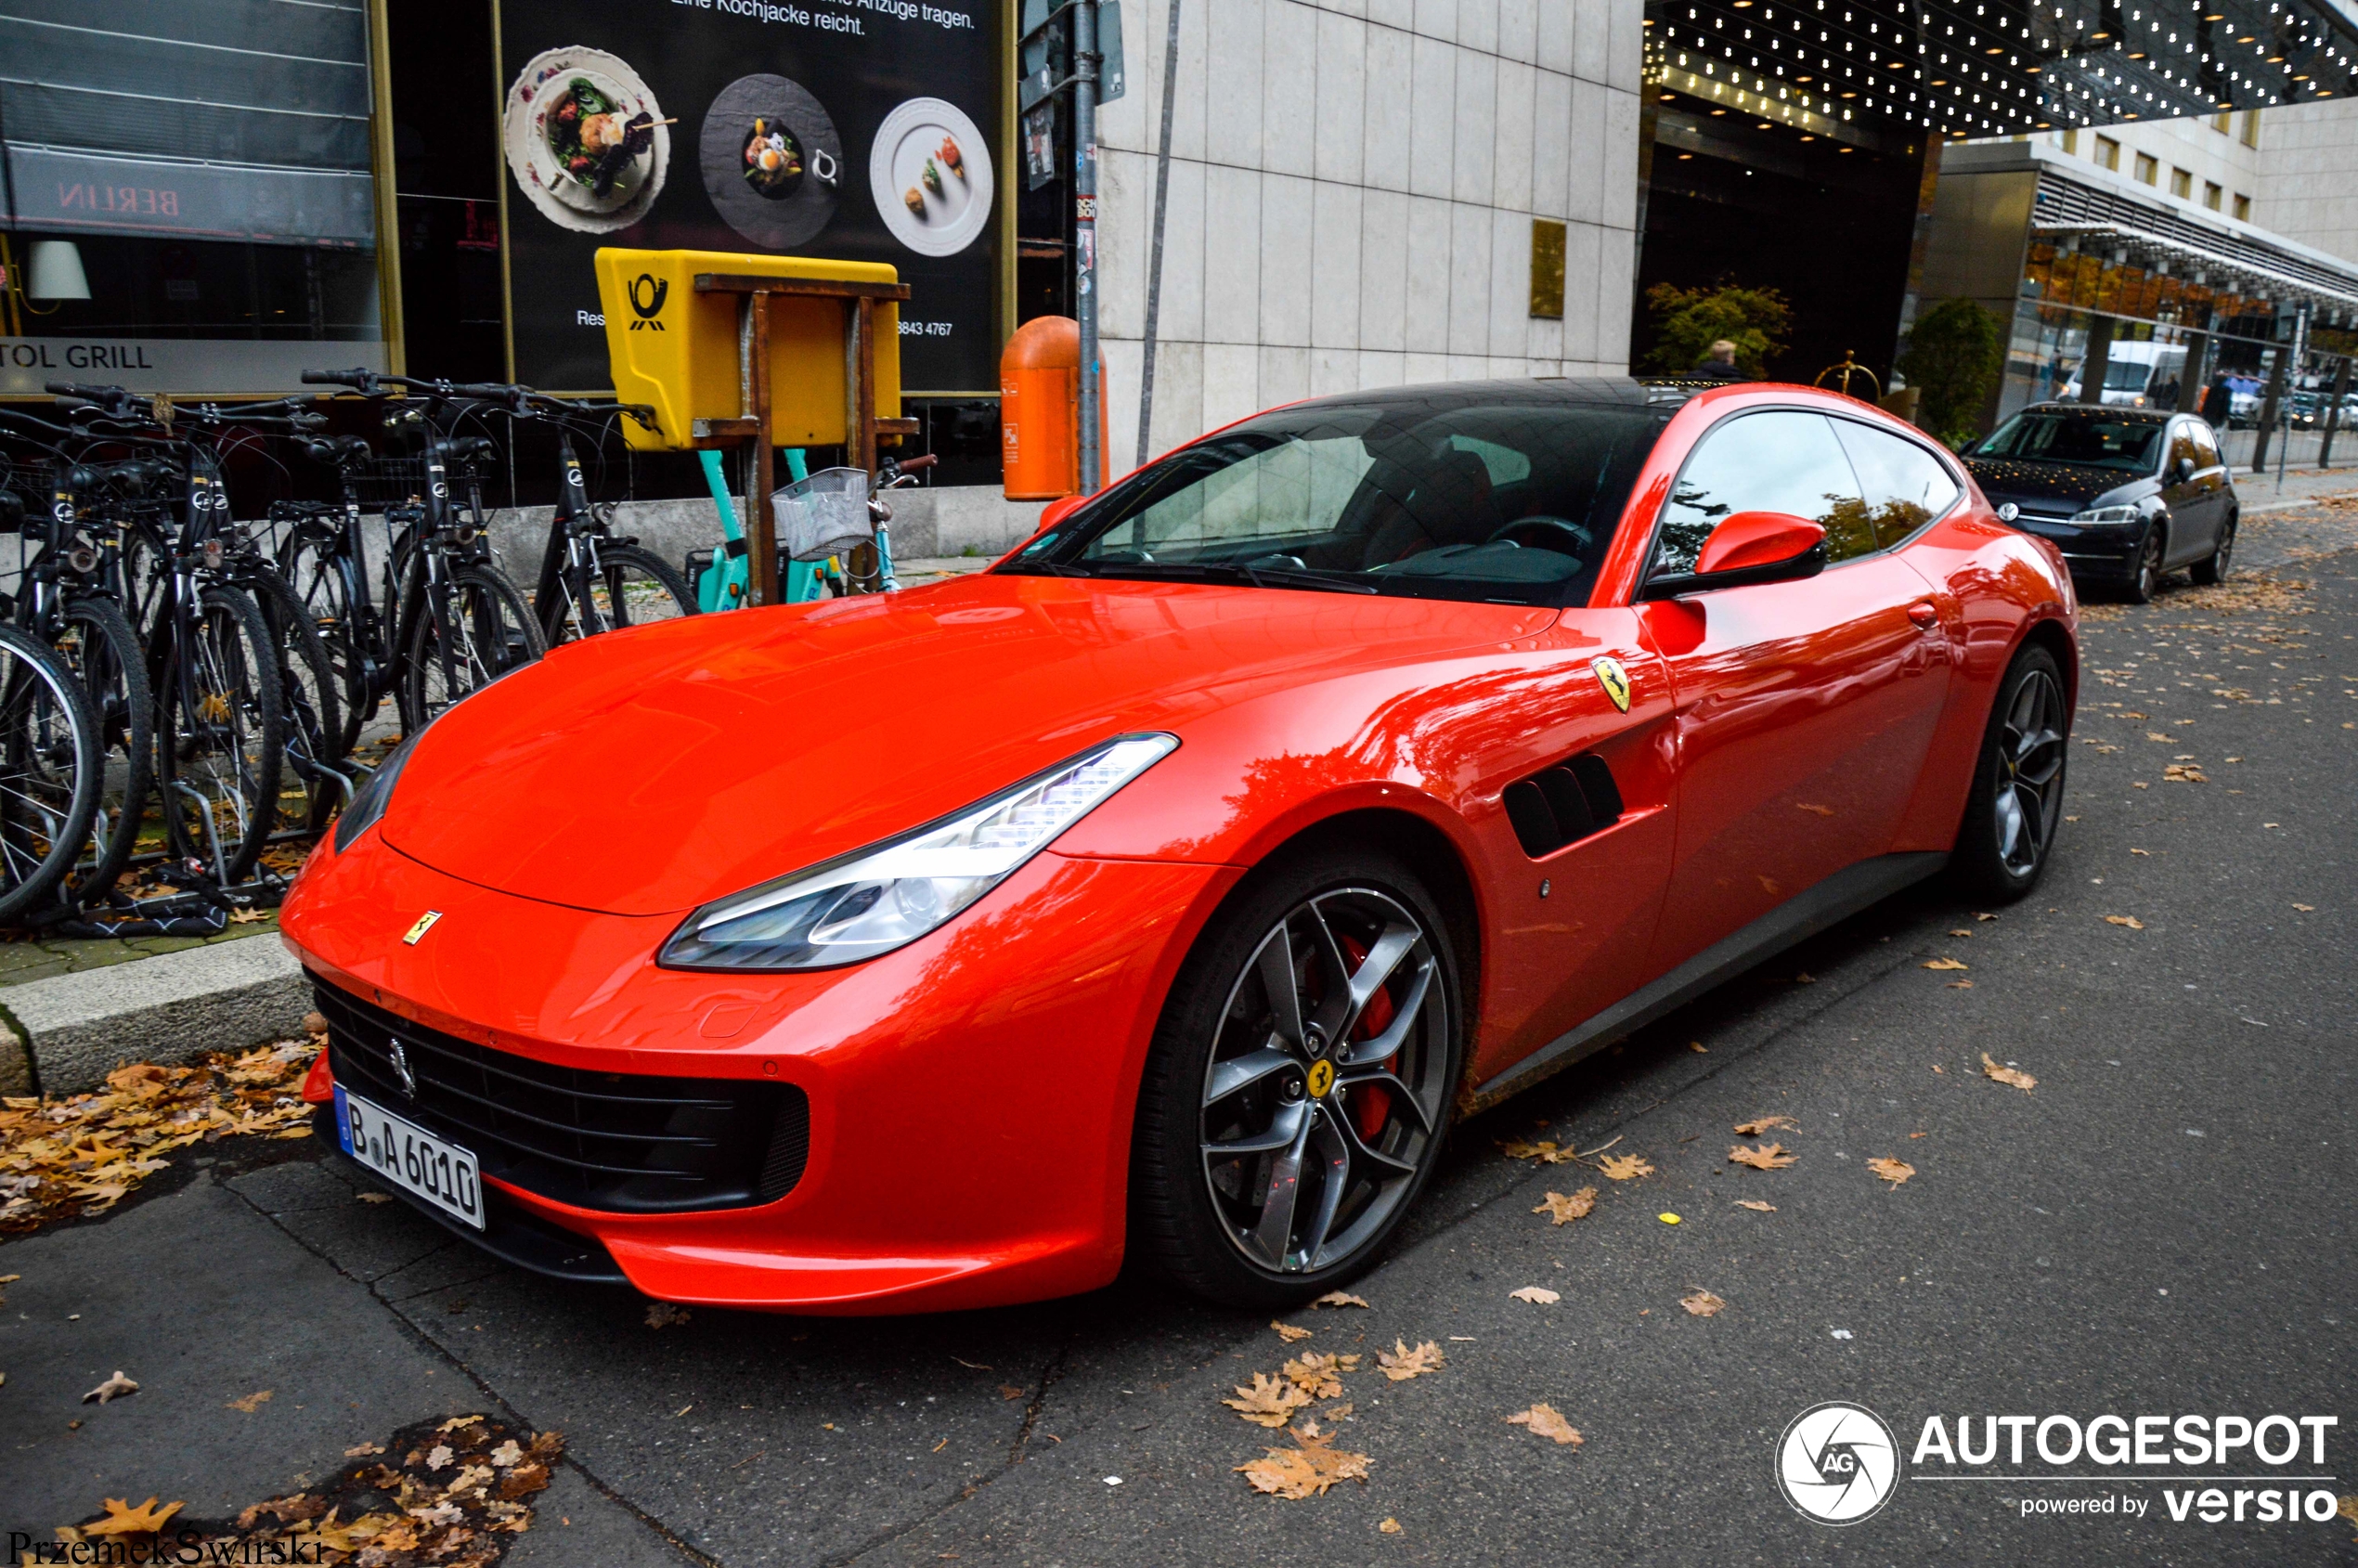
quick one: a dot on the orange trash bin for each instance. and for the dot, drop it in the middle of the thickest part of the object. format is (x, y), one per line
(1039, 411)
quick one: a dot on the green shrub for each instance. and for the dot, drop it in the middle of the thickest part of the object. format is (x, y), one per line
(1954, 356)
(1687, 321)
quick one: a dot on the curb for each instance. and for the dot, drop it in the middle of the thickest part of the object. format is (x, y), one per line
(76, 1028)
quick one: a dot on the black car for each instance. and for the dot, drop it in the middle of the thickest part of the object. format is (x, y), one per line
(2125, 494)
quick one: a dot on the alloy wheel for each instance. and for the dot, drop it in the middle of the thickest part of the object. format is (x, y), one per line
(2149, 568)
(1325, 1088)
(2030, 760)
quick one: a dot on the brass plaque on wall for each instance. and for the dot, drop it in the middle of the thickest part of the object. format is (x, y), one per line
(1548, 268)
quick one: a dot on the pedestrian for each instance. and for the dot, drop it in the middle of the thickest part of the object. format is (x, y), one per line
(2218, 401)
(1720, 365)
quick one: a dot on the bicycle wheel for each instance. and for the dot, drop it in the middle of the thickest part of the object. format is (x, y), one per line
(49, 770)
(104, 652)
(310, 790)
(483, 633)
(225, 715)
(630, 587)
(321, 579)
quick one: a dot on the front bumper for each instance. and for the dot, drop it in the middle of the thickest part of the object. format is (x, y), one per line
(2106, 555)
(969, 1096)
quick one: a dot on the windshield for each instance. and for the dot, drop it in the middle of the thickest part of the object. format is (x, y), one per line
(2089, 439)
(1454, 495)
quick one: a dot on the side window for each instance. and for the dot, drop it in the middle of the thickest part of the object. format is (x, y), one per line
(2182, 445)
(1903, 485)
(1783, 460)
(2206, 448)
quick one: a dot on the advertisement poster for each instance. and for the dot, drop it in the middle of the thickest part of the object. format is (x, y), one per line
(858, 131)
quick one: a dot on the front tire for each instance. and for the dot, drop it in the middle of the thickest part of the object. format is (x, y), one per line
(1300, 1086)
(2016, 804)
(2145, 580)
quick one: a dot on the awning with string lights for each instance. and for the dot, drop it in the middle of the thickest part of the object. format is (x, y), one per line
(1960, 68)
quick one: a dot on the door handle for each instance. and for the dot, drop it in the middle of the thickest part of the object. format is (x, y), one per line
(1924, 613)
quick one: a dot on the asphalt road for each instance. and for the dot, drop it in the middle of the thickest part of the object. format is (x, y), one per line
(2159, 1228)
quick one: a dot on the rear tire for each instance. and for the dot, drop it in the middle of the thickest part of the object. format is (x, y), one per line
(1271, 1162)
(224, 733)
(106, 654)
(630, 588)
(491, 632)
(2214, 569)
(50, 764)
(2016, 803)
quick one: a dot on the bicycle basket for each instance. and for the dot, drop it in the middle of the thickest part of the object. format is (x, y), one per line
(825, 514)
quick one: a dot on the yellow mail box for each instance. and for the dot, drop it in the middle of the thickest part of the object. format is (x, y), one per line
(676, 350)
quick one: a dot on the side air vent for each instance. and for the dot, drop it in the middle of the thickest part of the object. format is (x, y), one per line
(1563, 805)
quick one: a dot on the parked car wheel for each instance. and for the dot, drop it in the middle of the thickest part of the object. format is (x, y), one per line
(2016, 803)
(1299, 1085)
(2214, 569)
(2146, 581)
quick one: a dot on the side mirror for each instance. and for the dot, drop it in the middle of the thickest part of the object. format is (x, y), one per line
(1750, 547)
(1057, 510)
(2185, 469)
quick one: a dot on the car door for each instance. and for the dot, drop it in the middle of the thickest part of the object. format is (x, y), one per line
(2216, 478)
(1804, 709)
(2192, 508)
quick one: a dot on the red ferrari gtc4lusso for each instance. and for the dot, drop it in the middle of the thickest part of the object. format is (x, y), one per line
(1169, 888)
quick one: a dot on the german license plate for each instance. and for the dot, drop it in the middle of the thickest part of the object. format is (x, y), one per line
(405, 1154)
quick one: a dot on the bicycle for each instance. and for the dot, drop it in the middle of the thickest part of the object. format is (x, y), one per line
(459, 622)
(719, 578)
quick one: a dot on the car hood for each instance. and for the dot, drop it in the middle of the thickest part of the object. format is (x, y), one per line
(2054, 489)
(652, 770)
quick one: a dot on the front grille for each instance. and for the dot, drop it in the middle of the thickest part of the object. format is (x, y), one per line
(629, 1143)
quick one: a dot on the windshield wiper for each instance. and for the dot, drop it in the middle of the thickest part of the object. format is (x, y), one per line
(1281, 577)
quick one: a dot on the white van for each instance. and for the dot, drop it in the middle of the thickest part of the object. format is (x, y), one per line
(2138, 376)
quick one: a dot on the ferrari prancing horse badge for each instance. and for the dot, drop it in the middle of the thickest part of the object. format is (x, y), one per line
(1614, 680)
(425, 921)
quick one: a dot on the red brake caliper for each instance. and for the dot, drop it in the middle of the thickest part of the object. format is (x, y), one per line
(1370, 1103)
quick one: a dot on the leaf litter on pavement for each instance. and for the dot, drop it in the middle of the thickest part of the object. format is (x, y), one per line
(458, 1497)
(2012, 1077)
(1891, 1170)
(1543, 1420)
(1562, 1209)
(76, 1156)
(1306, 1470)
(1768, 1157)
(1624, 1167)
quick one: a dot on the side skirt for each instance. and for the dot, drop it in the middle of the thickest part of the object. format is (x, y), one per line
(1829, 902)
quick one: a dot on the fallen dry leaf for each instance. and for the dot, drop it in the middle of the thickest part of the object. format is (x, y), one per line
(1288, 1332)
(1890, 1170)
(1320, 1377)
(1947, 964)
(1537, 1295)
(1768, 1157)
(362, 1450)
(2183, 773)
(1391, 1526)
(247, 917)
(1303, 1471)
(251, 1403)
(664, 1314)
(2128, 920)
(2306, 909)
(1756, 1205)
(1339, 1299)
(123, 1520)
(1702, 1303)
(113, 1388)
(1544, 1421)
(1547, 1151)
(1760, 1124)
(1400, 1363)
(1624, 1167)
(2014, 1076)
(508, 1454)
(1009, 1390)
(1563, 1210)
(1269, 1402)
(375, 1196)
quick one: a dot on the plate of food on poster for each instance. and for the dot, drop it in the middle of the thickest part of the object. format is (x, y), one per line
(930, 174)
(586, 139)
(771, 161)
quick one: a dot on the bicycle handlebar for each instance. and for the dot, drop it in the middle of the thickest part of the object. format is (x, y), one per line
(919, 464)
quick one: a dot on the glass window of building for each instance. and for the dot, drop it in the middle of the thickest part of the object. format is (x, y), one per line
(2242, 207)
(2251, 127)
(2148, 168)
(2182, 184)
(2219, 121)
(2211, 194)
(2108, 153)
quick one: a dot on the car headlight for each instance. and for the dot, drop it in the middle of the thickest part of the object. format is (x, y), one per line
(2108, 516)
(872, 901)
(369, 802)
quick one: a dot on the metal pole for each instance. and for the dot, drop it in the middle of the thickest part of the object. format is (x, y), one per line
(1084, 230)
(2290, 382)
(2333, 414)
(1154, 265)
